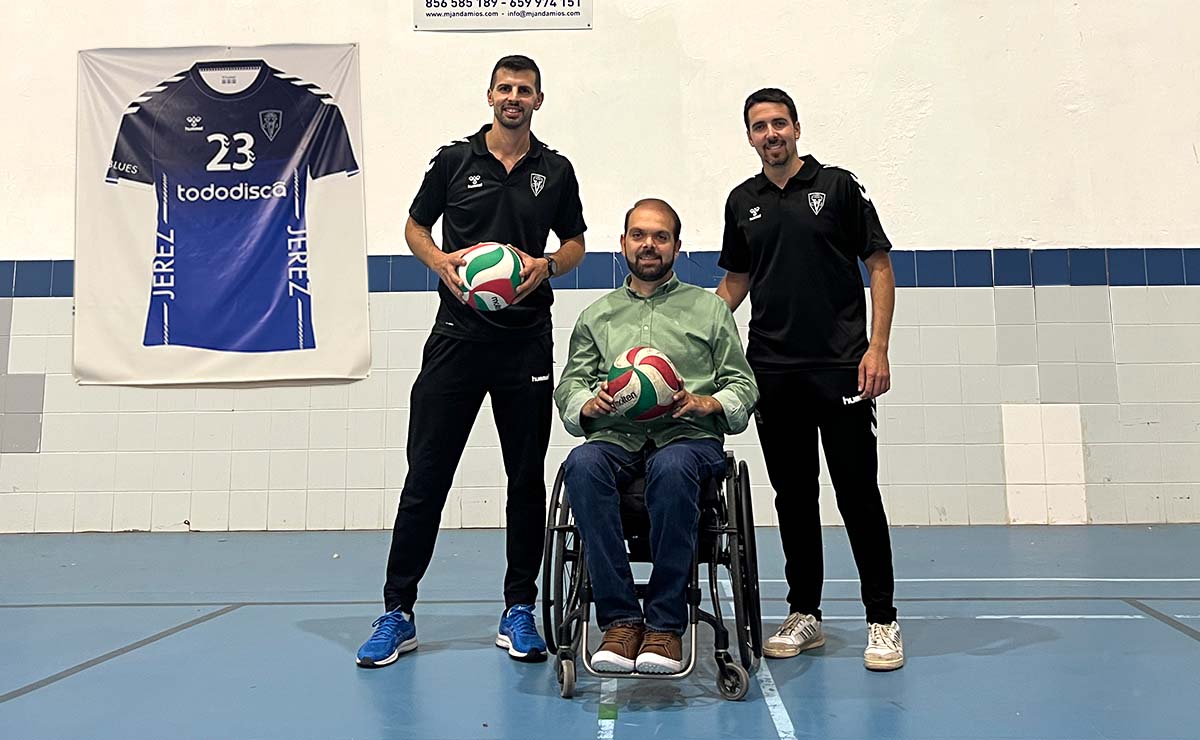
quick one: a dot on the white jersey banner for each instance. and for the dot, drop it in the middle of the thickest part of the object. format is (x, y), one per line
(219, 231)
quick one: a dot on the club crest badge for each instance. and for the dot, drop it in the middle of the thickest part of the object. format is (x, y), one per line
(270, 121)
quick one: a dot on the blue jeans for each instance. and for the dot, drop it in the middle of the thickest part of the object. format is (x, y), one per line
(674, 474)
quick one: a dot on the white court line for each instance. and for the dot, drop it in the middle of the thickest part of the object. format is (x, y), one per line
(608, 698)
(1008, 580)
(779, 713)
(1060, 616)
(728, 588)
(938, 618)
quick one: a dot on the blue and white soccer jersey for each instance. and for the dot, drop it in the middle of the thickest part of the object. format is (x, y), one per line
(231, 172)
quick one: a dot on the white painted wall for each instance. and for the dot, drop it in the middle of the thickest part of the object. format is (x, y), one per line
(1036, 122)
(976, 124)
(986, 423)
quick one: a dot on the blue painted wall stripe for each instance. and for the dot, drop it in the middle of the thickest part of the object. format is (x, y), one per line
(963, 268)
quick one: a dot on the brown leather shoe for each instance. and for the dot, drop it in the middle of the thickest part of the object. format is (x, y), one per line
(662, 652)
(619, 650)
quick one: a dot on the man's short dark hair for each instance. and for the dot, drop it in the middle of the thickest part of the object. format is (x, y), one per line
(518, 63)
(659, 203)
(769, 95)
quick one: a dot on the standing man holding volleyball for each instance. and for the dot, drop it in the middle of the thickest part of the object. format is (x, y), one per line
(677, 447)
(503, 185)
(794, 235)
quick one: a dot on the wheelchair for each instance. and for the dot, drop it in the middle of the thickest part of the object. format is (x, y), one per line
(726, 539)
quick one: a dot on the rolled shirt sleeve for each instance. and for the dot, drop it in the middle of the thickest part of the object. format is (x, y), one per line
(736, 390)
(575, 385)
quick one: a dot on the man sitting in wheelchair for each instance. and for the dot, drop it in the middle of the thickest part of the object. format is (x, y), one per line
(676, 452)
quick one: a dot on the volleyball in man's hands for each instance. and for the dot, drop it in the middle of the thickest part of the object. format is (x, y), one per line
(491, 275)
(642, 382)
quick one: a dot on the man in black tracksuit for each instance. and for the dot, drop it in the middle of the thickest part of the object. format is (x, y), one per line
(499, 185)
(793, 237)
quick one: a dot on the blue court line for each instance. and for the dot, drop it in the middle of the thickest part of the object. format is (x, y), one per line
(924, 268)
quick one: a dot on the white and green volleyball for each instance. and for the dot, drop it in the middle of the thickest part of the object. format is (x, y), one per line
(491, 275)
(642, 382)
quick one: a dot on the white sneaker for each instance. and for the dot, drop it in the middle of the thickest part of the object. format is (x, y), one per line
(799, 632)
(885, 649)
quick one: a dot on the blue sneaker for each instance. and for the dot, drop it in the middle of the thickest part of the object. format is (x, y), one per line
(519, 635)
(395, 633)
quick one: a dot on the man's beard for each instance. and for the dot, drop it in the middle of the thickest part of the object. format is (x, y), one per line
(777, 156)
(511, 124)
(650, 273)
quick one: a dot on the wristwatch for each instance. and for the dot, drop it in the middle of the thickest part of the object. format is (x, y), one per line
(551, 265)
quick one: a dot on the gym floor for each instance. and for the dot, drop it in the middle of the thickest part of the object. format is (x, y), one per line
(1010, 632)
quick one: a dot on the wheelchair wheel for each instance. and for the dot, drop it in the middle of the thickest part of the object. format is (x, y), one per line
(561, 570)
(733, 681)
(743, 567)
(550, 561)
(566, 678)
(753, 598)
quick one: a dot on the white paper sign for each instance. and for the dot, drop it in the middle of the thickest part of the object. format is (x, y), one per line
(501, 15)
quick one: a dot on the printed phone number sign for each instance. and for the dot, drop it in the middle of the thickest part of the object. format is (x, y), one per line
(501, 15)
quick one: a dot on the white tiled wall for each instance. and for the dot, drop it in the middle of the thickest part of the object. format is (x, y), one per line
(1009, 405)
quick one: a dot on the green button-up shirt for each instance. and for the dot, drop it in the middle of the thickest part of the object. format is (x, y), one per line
(691, 326)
